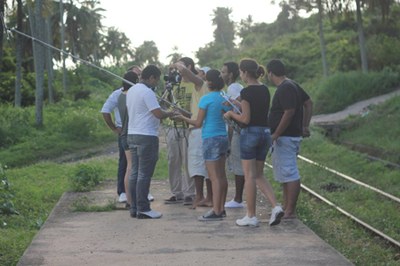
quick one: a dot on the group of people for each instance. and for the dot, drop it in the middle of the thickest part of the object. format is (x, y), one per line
(200, 140)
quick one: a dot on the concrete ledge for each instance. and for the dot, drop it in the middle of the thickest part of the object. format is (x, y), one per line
(114, 238)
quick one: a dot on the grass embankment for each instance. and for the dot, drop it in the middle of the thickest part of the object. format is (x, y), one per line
(357, 244)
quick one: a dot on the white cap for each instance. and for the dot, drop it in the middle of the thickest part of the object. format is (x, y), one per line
(205, 69)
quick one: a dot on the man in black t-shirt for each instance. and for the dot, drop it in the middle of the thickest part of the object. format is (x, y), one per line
(289, 119)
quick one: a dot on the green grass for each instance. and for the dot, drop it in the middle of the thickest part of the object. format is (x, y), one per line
(376, 122)
(37, 189)
(357, 244)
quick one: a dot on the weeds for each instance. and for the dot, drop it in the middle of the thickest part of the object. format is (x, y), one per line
(84, 204)
(6, 195)
(85, 178)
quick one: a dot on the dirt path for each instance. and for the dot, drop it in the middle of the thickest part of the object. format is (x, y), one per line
(353, 109)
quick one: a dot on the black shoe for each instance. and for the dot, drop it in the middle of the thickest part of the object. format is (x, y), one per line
(127, 206)
(133, 214)
(211, 216)
(223, 214)
(187, 201)
(172, 200)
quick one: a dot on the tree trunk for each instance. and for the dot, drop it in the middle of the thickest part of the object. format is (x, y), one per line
(2, 4)
(37, 28)
(322, 38)
(18, 57)
(361, 39)
(49, 61)
(62, 30)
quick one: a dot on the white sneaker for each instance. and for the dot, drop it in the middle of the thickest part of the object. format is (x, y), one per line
(150, 197)
(276, 215)
(149, 215)
(234, 204)
(247, 221)
(122, 198)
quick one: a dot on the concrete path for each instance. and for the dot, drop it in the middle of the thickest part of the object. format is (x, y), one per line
(354, 109)
(114, 238)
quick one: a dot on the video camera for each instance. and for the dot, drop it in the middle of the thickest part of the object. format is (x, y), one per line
(173, 77)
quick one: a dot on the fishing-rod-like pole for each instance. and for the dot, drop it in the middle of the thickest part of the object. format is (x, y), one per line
(8, 30)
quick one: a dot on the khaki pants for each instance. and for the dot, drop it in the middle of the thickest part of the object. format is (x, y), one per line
(177, 147)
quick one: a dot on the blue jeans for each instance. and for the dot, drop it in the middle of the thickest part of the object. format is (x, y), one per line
(121, 167)
(215, 147)
(144, 151)
(254, 143)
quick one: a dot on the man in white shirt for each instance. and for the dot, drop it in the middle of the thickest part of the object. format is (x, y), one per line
(144, 114)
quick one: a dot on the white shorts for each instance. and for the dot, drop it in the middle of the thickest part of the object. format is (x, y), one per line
(196, 163)
(234, 161)
(284, 159)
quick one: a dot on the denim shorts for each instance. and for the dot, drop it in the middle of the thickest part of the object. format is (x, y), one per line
(215, 147)
(254, 143)
(284, 159)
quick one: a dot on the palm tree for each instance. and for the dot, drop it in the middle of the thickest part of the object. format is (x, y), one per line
(117, 46)
(37, 28)
(19, 50)
(361, 38)
(147, 53)
(2, 4)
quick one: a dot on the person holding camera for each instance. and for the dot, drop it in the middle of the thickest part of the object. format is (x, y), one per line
(180, 170)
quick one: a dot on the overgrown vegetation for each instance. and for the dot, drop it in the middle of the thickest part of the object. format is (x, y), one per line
(69, 126)
(36, 190)
(344, 235)
(85, 178)
(342, 89)
(381, 120)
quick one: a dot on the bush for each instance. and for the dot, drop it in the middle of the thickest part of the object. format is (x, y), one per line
(14, 125)
(343, 89)
(79, 125)
(85, 178)
(6, 195)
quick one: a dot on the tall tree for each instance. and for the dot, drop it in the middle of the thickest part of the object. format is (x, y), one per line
(175, 55)
(147, 53)
(63, 56)
(2, 5)
(361, 38)
(49, 60)
(225, 31)
(116, 46)
(19, 50)
(308, 6)
(37, 23)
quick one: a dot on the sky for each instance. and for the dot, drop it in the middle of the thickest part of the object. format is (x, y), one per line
(186, 24)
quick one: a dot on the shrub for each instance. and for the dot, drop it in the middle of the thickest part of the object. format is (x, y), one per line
(85, 177)
(343, 89)
(79, 125)
(14, 125)
(6, 195)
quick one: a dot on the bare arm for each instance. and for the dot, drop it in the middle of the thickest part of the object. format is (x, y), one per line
(198, 122)
(108, 119)
(161, 114)
(189, 75)
(307, 113)
(244, 117)
(284, 123)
